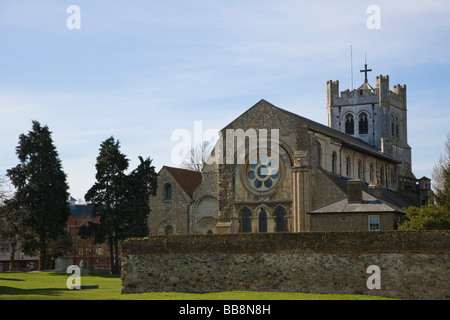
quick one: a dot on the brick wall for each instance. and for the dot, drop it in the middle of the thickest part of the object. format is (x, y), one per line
(413, 265)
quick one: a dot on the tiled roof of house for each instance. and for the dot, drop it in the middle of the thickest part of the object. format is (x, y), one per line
(188, 180)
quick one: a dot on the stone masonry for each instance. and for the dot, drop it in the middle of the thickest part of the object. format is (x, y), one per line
(413, 265)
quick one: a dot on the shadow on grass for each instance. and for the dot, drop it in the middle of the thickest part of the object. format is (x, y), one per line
(12, 279)
(4, 290)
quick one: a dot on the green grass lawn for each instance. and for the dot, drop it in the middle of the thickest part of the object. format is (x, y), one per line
(52, 286)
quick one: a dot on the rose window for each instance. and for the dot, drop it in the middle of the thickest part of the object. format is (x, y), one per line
(263, 175)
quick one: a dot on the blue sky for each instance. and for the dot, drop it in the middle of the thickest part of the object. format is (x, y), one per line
(139, 70)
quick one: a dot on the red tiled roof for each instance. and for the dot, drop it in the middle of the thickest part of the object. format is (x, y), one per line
(188, 180)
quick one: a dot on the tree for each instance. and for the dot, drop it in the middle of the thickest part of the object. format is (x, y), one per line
(120, 200)
(40, 202)
(435, 216)
(198, 156)
(429, 217)
(142, 183)
(439, 168)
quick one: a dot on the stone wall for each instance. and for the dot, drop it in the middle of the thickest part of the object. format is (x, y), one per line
(413, 265)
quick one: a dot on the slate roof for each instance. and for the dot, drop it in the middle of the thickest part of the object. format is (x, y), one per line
(369, 204)
(82, 211)
(188, 180)
(390, 200)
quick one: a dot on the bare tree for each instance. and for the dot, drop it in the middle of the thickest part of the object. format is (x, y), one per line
(438, 169)
(198, 156)
(6, 190)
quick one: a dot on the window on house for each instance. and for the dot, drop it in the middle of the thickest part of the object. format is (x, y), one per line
(168, 192)
(99, 251)
(363, 124)
(371, 173)
(374, 223)
(349, 124)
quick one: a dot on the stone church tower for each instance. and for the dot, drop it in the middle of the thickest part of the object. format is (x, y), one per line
(377, 116)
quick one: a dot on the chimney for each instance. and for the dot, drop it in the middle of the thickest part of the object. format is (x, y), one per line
(375, 189)
(354, 191)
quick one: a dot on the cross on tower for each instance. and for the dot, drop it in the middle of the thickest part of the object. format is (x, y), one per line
(365, 72)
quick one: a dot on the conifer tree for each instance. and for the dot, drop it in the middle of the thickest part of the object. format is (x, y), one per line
(120, 200)
(41, 192)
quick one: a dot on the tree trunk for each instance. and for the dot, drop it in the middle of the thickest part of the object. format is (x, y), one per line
(13, 253)
(117, 255)
(111, 253)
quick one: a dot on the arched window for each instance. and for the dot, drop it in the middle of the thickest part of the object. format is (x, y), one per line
(245, 225)
(333, 162)
(280, 216)
(168, 230)
(363, 125)
(168, 192)
(359, 169)
(392, 126)
(397, 132)
(262, 221)
(349, 124)
(348, 167)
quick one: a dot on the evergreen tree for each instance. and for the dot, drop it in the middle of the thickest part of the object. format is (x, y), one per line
(142, 183)
(41, 194)
(120, 200)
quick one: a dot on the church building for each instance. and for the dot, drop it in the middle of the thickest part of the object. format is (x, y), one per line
(353, 174)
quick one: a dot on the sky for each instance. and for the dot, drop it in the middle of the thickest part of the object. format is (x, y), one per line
(139, 70)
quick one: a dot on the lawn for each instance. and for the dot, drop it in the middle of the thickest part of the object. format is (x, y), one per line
(52, 286)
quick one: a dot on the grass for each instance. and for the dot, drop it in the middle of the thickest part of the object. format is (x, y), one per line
(52, 286)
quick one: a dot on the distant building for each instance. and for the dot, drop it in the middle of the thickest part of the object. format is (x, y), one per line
(92, 257)
(20, 261)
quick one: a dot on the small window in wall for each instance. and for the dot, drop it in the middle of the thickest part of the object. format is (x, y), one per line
(392, 126)
(168, 230)
(333, 162)
(99, 251)
(280, 220)
(371, 173)
(262, 221)
(397, 132)
(374, 223)
(359, 169)
(245, 224)
(348, 168)
(168, 192)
